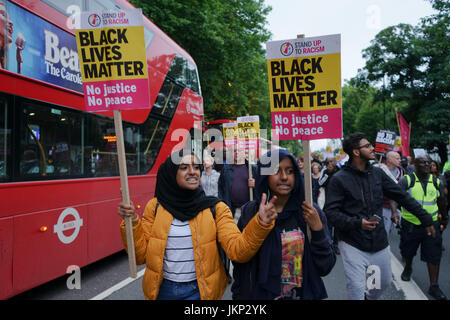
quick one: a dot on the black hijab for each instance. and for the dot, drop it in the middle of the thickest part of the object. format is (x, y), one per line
(183, 204)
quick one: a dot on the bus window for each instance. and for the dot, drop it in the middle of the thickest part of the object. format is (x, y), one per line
(50, 142)
(184, 73)
(167, 100)
(154, 131)
(102, 5)
(155, 128)
(132, 140)
(5, 139)
(177, 70)
(102, 147)
(196, 143)
(148, 36)
(192, 77)
(62, 5)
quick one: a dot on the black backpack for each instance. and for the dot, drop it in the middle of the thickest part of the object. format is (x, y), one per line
(223, 256)
(447, 180)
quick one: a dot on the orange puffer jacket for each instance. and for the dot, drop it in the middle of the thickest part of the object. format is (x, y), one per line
(150, 237)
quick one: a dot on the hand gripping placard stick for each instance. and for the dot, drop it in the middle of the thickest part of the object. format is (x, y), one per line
(125, 190)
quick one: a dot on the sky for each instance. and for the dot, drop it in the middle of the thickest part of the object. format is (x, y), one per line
(358, 21)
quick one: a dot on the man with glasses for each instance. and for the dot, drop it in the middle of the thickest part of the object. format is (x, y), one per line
(354, 207)
(429, 193)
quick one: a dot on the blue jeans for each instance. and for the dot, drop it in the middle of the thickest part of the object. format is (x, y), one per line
(170, 290)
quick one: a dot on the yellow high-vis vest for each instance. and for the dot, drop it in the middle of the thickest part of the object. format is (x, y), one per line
(428, 201)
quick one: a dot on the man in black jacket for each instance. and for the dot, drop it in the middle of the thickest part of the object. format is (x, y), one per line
(354, 207)
(234, 182)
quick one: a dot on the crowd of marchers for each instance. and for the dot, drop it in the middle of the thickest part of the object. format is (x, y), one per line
(281, 245)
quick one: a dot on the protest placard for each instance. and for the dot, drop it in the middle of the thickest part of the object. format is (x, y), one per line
(248, 139)
(230, 134)
(419, 152)
(113, 64)
(305, 92)
(248, 132)
(305, 87)
(113, 60)
(384, 142)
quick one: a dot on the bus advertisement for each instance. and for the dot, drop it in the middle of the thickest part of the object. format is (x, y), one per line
(59, 176)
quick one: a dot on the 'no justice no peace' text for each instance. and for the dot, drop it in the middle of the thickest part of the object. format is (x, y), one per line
(116, 94)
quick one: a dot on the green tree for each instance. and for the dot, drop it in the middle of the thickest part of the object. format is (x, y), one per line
(354, 98)
(225, 39)
(366, 109)
(414, 63)
(293, 146)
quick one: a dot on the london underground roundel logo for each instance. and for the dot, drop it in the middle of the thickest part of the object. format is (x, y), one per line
(62, 226)
(94, 20)
(286, 49)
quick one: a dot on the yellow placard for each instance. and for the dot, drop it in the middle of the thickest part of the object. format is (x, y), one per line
(248, 130)
(115, 53)
(229, 133)
(305, 83)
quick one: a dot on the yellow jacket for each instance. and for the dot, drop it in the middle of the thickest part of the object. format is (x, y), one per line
(150, 236)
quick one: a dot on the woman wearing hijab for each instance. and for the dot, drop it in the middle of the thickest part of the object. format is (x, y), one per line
(177, 235)
(288, 265)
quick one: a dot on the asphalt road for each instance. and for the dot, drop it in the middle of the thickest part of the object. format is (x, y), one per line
(420, 271)
(109, 279)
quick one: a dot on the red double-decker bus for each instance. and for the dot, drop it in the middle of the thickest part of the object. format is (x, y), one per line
(59, 177)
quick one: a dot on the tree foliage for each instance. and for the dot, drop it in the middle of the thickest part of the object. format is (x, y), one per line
(411, 66)
(225, 38)
(365, 109)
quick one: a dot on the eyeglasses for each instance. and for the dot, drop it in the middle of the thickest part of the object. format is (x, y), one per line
(368, 145)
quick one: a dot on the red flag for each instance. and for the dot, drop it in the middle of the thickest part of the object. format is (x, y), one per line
(404, 128)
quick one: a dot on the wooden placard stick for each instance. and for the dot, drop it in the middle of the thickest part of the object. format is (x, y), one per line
(250, 176)
(307, 170)
(125, 191)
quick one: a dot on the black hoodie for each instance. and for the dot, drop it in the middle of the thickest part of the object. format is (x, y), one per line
(260, 278)
(353, 194)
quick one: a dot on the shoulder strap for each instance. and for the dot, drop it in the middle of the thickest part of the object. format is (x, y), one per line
(436, 183)
(213, 211)
(157, 206)
(412, 180)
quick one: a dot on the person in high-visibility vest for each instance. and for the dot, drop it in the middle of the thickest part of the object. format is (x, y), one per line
(429, 192)
(446, 166)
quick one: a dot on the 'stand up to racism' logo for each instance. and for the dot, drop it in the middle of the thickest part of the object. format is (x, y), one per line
(94, 20)
(286, 49)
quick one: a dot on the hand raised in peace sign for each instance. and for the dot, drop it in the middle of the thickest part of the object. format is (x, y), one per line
(267, 211)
